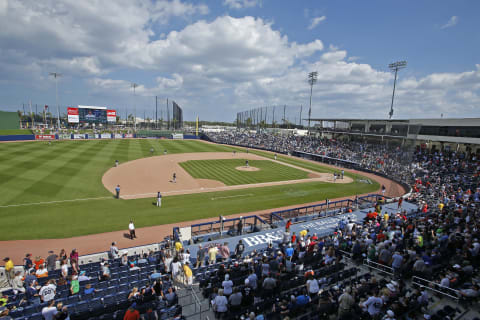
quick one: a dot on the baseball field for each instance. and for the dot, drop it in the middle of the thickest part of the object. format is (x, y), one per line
(59, 190)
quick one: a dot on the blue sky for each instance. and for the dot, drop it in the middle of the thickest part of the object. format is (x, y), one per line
(216, 58)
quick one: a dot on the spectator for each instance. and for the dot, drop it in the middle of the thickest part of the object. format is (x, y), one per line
(227, 285)
(74, 285)
(48, 291)
(9, 270)
(27, 262)
(49, 311)
(200, 256)
(220, 304)
(41, 272)
(83, 276)
(188, 273)
(132, 313)
(346, 303)
(51, 261)
(312, 286)
(18, 284)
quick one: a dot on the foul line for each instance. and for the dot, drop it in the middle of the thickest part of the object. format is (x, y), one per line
(238, 195)
(51, 202)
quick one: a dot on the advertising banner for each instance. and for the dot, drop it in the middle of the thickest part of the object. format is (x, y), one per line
(111, 116)
(78, 136)
(65, 136)
(90, 136)
(129, 135)
(177, 136)
(73, 115)
(104, 136)
(118, 136)
(45, 137)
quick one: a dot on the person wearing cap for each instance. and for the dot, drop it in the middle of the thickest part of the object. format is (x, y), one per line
(114, 250)
(227, 285)
(83, 276)
(31, 277)
(132, 313)
(27, 262)
(9, 269)
(51, 261)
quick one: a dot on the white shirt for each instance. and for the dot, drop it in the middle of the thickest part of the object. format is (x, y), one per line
(221, 302)
(65, 270)
(175, 268)
(131, 226)
(227, 286)
(313, 284)
(49, 312)
(48, 292)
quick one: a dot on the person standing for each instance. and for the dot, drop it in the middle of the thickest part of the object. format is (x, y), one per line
(51, 261)
(174, 178)
(159, 199)
(384, 189)
(275, 156)
(131, 229)
(9, 270)
(117, 190)
(151, 151)
(116, 163)
(240, 225)
(114, 250)
(200, 256)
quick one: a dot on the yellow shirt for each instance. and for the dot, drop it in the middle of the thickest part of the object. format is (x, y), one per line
(9, 265)
(187, 270)
(212, 253)
(303, 233)
(440, 206)
(385, 217)
(178, 246)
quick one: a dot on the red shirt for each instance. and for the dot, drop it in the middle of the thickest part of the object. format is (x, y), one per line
(289, 223)
(131, 315)
(294, 238)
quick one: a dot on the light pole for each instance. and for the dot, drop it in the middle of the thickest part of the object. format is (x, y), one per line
(56, 75)
(134, 85)
(312, 79)
(395, 67)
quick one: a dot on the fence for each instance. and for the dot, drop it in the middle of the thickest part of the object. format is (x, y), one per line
(378, 266)
(438, 288)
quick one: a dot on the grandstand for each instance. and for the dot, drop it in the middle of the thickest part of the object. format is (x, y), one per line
(371, 257)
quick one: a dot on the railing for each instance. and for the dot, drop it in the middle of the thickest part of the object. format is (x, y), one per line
(438, 288)
(378, 266)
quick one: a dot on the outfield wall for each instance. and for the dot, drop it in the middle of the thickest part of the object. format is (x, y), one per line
(88, 136)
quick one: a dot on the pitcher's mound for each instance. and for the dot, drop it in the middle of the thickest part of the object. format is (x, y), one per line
(245, 168)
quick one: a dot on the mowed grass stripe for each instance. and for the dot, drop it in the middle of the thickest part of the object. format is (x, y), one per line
(54, 181)
(224, 171)
(12, 169)
(20, 192)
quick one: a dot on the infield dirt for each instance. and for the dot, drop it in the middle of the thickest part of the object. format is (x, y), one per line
(143, 178)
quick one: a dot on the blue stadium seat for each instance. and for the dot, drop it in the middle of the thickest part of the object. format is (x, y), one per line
(81, 307)
(36, 316)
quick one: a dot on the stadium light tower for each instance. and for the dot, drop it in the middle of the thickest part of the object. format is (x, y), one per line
(395, 67)
(312, 79)
(134, 85)
(56, 75)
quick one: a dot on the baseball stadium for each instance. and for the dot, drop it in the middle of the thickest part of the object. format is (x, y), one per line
(286, 212)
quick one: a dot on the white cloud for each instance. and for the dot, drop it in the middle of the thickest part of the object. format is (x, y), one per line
(315, 21)
(213, 68)
(451, 22)
(240, 4)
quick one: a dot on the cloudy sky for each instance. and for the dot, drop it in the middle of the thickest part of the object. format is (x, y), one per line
(218, 57)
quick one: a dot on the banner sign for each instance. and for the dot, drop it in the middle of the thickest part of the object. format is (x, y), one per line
(129, 135)
(64, 136)
(118, 136)
(104, 136)
(90, 136)
(45, 137)
(111, 116)
(73, 115)
(78, 136)
(178, 136)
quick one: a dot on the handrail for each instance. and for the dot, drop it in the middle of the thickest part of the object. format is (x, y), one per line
(377, 266)
(438, 288)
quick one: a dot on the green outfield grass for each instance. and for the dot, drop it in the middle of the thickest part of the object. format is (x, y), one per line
(224, 171)
(34, 172)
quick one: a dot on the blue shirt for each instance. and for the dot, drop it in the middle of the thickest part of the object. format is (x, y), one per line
(88, 291)
(289, 252)
(302, 300)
